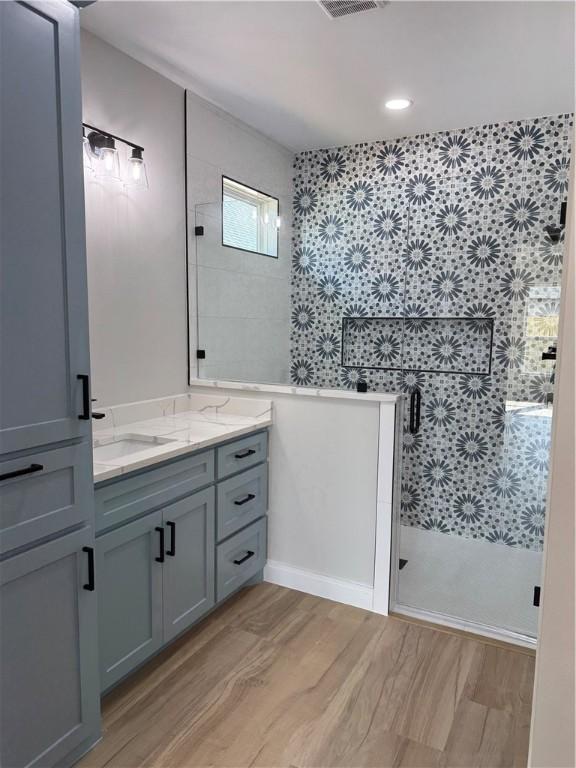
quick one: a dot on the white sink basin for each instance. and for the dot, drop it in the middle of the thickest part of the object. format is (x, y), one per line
(125, 446)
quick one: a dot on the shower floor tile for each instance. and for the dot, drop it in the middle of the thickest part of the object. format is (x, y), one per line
(471, 580)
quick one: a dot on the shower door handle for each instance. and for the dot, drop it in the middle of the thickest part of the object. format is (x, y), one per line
(415, 403)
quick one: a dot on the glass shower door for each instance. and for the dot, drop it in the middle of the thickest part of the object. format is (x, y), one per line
(477, 420)
(240, 325)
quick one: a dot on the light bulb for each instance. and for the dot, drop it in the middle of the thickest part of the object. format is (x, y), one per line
(136, 171)
(396, 104)
(108, 159)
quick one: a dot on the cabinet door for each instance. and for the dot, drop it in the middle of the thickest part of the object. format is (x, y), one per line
(48, 656)
(189, 566)
(44, 493)
(129, 586)
(43, 294)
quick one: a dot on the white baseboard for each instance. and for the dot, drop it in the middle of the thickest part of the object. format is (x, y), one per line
(347, 592)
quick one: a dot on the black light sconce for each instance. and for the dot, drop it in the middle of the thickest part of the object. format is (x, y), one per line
(101, 158)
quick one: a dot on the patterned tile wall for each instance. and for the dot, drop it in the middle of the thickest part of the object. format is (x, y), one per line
(442, 225)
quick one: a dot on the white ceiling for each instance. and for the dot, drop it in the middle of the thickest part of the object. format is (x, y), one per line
(308, 81)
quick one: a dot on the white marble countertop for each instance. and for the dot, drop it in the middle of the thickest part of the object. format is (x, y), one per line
(288, 389)
(173, 427)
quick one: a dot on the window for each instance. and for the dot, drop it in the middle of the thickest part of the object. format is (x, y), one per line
(250, 219)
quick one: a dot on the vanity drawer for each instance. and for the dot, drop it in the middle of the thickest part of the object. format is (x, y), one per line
(242, 454)
(241, 499)
(240, 558)
(133, 496)
(47, 493)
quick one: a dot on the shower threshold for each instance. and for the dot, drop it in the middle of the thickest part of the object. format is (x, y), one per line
(469, 585)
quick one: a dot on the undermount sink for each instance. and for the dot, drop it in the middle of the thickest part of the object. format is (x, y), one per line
(126, 445)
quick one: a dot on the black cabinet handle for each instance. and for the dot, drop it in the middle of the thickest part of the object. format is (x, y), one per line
(244, 454)
(96, 415)
(245, 500)
(172, 550)
(90, 584)
(19, 472)
(415, 403)
(85, 379)
(247, 556)
(160, 530)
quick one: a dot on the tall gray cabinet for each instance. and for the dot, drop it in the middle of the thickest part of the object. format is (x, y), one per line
(49, 706)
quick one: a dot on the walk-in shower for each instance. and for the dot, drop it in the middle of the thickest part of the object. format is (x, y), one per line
(428, 265)
(424, 265)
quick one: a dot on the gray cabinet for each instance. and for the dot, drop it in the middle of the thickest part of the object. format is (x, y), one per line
(49, 710)
(43, 298)
(240, 558)
(188, 574)
(155, 577)
(161, 568)
(49, 702)
(241, 454)
(44, 493)
(129, 587)
(241, 500)
(149, 490)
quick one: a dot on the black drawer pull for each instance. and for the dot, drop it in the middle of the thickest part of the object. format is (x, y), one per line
(85, 379)
(245, 454)
(90, 585)
(245, 500)
(19, 472)
(247, 556)
(172, 551)
(160, 558)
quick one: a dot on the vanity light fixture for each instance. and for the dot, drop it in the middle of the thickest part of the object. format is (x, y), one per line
(396, 104)
(101, 156)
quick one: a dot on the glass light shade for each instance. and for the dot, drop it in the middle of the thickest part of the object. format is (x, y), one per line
(107, 165)
(87, 156)
(136, 176)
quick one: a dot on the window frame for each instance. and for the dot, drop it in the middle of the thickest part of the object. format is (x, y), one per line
(259, 192)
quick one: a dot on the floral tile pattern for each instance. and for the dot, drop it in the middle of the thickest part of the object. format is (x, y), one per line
(447, 225)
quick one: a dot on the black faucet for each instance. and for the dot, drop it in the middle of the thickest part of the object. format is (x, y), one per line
(95, 414)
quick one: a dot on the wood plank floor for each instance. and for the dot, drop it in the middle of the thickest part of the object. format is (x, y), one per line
(279, 678)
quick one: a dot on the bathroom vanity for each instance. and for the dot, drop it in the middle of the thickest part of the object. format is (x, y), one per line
(180, 519)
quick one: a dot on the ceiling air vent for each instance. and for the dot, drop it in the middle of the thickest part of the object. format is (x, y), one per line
(337, 8)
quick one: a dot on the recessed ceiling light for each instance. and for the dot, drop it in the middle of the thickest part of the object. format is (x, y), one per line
(398, 103)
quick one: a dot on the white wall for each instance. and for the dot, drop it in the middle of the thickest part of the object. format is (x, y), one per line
(324, 491)
(553, 713)
(136, 240)
(243, 298)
